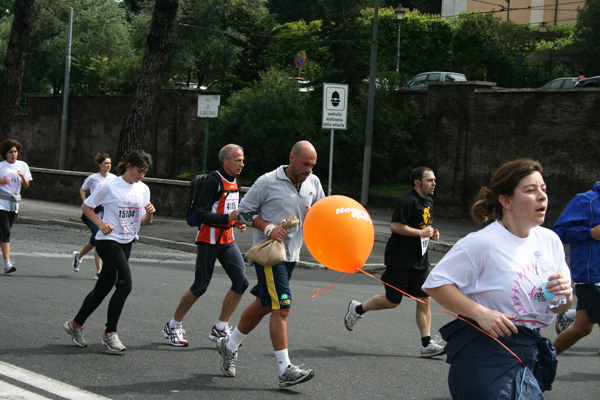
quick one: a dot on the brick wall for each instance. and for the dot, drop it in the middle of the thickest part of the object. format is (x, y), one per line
(175, 135)
(469, 130)
(472, 128)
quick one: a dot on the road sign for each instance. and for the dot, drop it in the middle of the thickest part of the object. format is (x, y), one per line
(299, 62)
(335, 110)
(208, 106)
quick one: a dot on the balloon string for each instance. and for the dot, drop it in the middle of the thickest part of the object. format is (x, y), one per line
(444, 311)
(319, 291)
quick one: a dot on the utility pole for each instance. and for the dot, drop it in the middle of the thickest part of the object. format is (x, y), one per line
(364, 197)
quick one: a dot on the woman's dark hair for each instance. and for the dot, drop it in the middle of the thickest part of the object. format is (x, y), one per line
(8, 144)
(99, 159)
(136, 158)
(504, 182)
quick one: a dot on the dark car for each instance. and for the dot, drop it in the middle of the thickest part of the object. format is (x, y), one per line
(592, 82)
(561, 83)
(420, 82)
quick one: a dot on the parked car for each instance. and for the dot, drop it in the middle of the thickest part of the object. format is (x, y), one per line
(419, 82)
(567, 82)
(594, 81)
(303, 85)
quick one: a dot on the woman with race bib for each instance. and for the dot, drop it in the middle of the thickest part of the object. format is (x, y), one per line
(126, 202)
(492, 279)
(14, 174)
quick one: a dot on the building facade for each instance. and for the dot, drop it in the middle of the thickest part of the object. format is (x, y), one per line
(532, 12)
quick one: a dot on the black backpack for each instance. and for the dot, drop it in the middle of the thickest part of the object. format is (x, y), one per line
(195, 186)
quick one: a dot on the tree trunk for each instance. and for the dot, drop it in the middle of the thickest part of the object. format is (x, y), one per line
(14, 64)
(158, 45)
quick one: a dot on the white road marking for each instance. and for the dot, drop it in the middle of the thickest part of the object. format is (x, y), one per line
(42, 382)
(10, 392)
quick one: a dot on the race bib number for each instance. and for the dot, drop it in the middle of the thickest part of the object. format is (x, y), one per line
(128, 217)
(424, 244)
(535, 320)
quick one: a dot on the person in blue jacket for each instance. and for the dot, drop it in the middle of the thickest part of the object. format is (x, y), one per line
(579, 226)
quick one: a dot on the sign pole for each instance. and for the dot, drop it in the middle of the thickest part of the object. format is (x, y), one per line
(205, 145)
(331, 162)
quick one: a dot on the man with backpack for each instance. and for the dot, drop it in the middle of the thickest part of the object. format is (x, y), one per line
(215, 210)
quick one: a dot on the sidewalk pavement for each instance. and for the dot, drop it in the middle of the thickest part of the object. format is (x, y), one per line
(174, 233)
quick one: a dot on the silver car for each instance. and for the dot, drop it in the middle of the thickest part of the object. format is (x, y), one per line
(561, 83)
(420, 82)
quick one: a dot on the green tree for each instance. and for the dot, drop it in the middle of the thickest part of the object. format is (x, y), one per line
(158, 46)
(424, 46)
(100, 29)
(483, 46)
(266, 119)
(588, 35)
(348, 40)
(297, 38)
(14, 63)
(220, 40)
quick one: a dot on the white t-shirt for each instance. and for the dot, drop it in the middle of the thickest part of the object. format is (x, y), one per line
(123, 207)
(14, 181)
(94, 180)
(496, 269)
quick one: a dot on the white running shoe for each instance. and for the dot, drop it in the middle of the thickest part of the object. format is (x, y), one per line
(293, 375)
(175, 335)
(352, 316)
(228, 357)
(76, 261)
(9, 267)
(563, 322)
(113, 343)
(433, 349)
(76, 333)
(215, 333)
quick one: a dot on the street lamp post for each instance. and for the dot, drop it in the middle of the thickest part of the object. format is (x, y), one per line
(399, 15)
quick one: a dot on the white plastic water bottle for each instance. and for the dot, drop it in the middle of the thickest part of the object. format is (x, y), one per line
(544, 269)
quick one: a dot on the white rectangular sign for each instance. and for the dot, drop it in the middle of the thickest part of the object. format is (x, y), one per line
(208, 106)
(335, 106)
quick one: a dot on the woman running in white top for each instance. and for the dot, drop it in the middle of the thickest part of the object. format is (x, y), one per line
(14, 174)
(103, 163)
(126, 202)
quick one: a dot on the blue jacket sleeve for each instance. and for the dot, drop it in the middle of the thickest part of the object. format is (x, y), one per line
(573, 225)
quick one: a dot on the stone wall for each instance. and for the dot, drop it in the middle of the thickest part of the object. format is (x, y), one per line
(472, 128)
(175, 135)
(169, 196)
(469, 130)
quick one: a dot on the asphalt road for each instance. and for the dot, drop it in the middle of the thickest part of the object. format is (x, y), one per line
(379, 359)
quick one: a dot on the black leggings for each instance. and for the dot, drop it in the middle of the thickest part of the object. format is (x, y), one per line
(7, 218)
(115, 272)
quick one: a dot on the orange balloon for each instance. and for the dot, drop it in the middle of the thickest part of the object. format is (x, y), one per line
(339, 233)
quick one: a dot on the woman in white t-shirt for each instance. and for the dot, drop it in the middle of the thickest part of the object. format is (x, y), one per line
(126, 202)
(103, 163)
(490, 278)
(14, 174)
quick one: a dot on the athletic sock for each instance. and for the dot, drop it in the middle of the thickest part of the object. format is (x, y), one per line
(235, 339)
(173, 323)
(220, 325)
(425, 341)
(283, 360)
(359, 310)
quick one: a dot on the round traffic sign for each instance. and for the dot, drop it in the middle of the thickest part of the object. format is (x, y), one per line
(299, 61)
